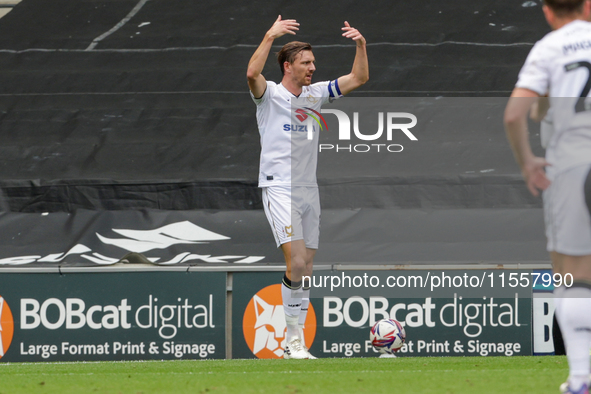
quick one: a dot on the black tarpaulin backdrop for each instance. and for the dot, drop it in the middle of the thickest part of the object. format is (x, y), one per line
(241, 238)
(157, 116)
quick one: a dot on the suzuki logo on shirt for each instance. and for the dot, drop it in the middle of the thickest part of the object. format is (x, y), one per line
(306, 114)
(307, 128)
(298, 127)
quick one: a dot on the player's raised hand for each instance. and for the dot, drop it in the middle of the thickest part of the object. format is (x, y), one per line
(535, 176)
(352, 33)
(282, 27)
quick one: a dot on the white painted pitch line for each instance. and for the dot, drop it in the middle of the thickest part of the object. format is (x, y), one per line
(480, 44)
(388, 371)
(222, 48)
(121, 93)
(245, 92)
(119, 25)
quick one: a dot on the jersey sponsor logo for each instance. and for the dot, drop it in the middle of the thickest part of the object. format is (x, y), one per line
(303, 115)
(6, 327)
(264, 326)
(296, 127)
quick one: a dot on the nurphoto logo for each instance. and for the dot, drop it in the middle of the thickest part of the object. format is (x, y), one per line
(390, 124)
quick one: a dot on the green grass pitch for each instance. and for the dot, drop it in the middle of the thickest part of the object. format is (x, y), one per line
(359, 375)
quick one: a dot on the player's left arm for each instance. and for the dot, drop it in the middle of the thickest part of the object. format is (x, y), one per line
(532, 167)
(360, 72)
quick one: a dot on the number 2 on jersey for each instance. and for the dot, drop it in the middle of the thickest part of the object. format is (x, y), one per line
(580, 106)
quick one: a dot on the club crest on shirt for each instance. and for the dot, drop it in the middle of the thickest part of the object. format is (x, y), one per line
(289, 231)
(312, 100)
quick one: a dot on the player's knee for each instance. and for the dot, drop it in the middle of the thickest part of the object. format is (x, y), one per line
(298, 264)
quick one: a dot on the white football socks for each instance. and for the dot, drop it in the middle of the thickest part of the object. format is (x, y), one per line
(572, 311)
(303, 314)
(292, 306)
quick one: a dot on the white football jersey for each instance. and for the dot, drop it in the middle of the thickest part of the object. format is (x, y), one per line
(546, 129)
(559, 65)
(289, 128)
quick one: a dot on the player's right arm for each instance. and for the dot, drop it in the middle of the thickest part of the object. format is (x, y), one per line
(256, 82)
(532, 167)
(539, 109)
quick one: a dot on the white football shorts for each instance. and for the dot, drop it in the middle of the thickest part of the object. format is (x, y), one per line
(293, 213)
(567, 217)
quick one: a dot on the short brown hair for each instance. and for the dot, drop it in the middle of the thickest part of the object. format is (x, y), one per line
(565, 7)
(289, 52)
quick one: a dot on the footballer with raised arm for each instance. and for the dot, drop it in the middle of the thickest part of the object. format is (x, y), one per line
(289, 155)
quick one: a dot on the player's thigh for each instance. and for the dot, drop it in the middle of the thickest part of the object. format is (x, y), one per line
(577, 266)
(557, 263)
(311, 220)
(567, 217)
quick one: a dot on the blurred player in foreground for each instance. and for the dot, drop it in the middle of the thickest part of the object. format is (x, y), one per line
(559, 66)
(289, 154)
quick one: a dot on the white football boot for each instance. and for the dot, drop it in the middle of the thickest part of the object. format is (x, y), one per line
(295, 350)
(565, 388)
(310, 357)
(303, 341)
